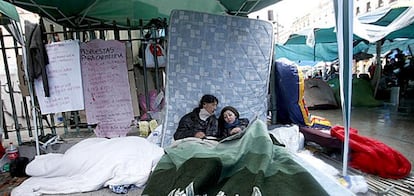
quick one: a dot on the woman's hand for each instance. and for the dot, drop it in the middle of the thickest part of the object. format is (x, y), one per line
(200, 135)
(235, 130)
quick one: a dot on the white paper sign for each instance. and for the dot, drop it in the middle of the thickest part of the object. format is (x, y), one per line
(106, 87)
(64, 77)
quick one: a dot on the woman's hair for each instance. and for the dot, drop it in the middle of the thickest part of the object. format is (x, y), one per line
(232, 109)
(221, 120)
(207, 99)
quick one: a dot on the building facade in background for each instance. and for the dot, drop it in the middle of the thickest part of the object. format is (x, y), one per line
(319, 15)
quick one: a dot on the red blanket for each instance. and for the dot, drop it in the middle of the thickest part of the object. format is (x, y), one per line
(2, 150)
(372, 156)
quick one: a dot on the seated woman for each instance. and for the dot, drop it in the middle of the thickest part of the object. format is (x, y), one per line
(230, 123)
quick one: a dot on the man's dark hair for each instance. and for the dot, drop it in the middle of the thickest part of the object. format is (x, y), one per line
(207, 99)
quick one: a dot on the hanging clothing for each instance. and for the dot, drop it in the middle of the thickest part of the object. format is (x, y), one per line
(37, 58)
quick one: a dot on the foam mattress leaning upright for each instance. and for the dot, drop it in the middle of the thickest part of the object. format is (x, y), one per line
(226, 56)
(229, 57)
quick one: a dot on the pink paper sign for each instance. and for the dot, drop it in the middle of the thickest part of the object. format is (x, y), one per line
(106, 87)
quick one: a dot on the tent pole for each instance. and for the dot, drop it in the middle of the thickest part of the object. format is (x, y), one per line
(344, 23)
(273, 97)
(314, 52)
(378, 68)
(11, 90)
(25, 111)
(31, 93)
(33, 108)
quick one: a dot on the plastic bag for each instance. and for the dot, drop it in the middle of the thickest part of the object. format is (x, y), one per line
(155, 136)
(290, 136)
(149, 55)
(156, 103)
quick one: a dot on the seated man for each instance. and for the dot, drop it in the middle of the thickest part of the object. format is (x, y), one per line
(201, 122)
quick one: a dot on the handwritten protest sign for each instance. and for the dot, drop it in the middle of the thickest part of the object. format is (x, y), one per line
(64, 76)
(106, 87)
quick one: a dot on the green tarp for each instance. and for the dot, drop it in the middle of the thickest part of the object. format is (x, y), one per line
(233, 167)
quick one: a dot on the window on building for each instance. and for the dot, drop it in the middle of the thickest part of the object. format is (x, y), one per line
(380, 3)
(368, 6)
(270, 15)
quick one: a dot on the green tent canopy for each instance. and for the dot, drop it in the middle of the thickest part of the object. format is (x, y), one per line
(320, 35)
(387, 23)
(8, 11)
(320, 44)
(84, 14)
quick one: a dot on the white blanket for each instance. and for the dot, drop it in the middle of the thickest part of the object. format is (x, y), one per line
(90, 165)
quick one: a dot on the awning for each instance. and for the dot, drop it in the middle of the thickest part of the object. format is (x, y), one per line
(82, 14)
(9, 11)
